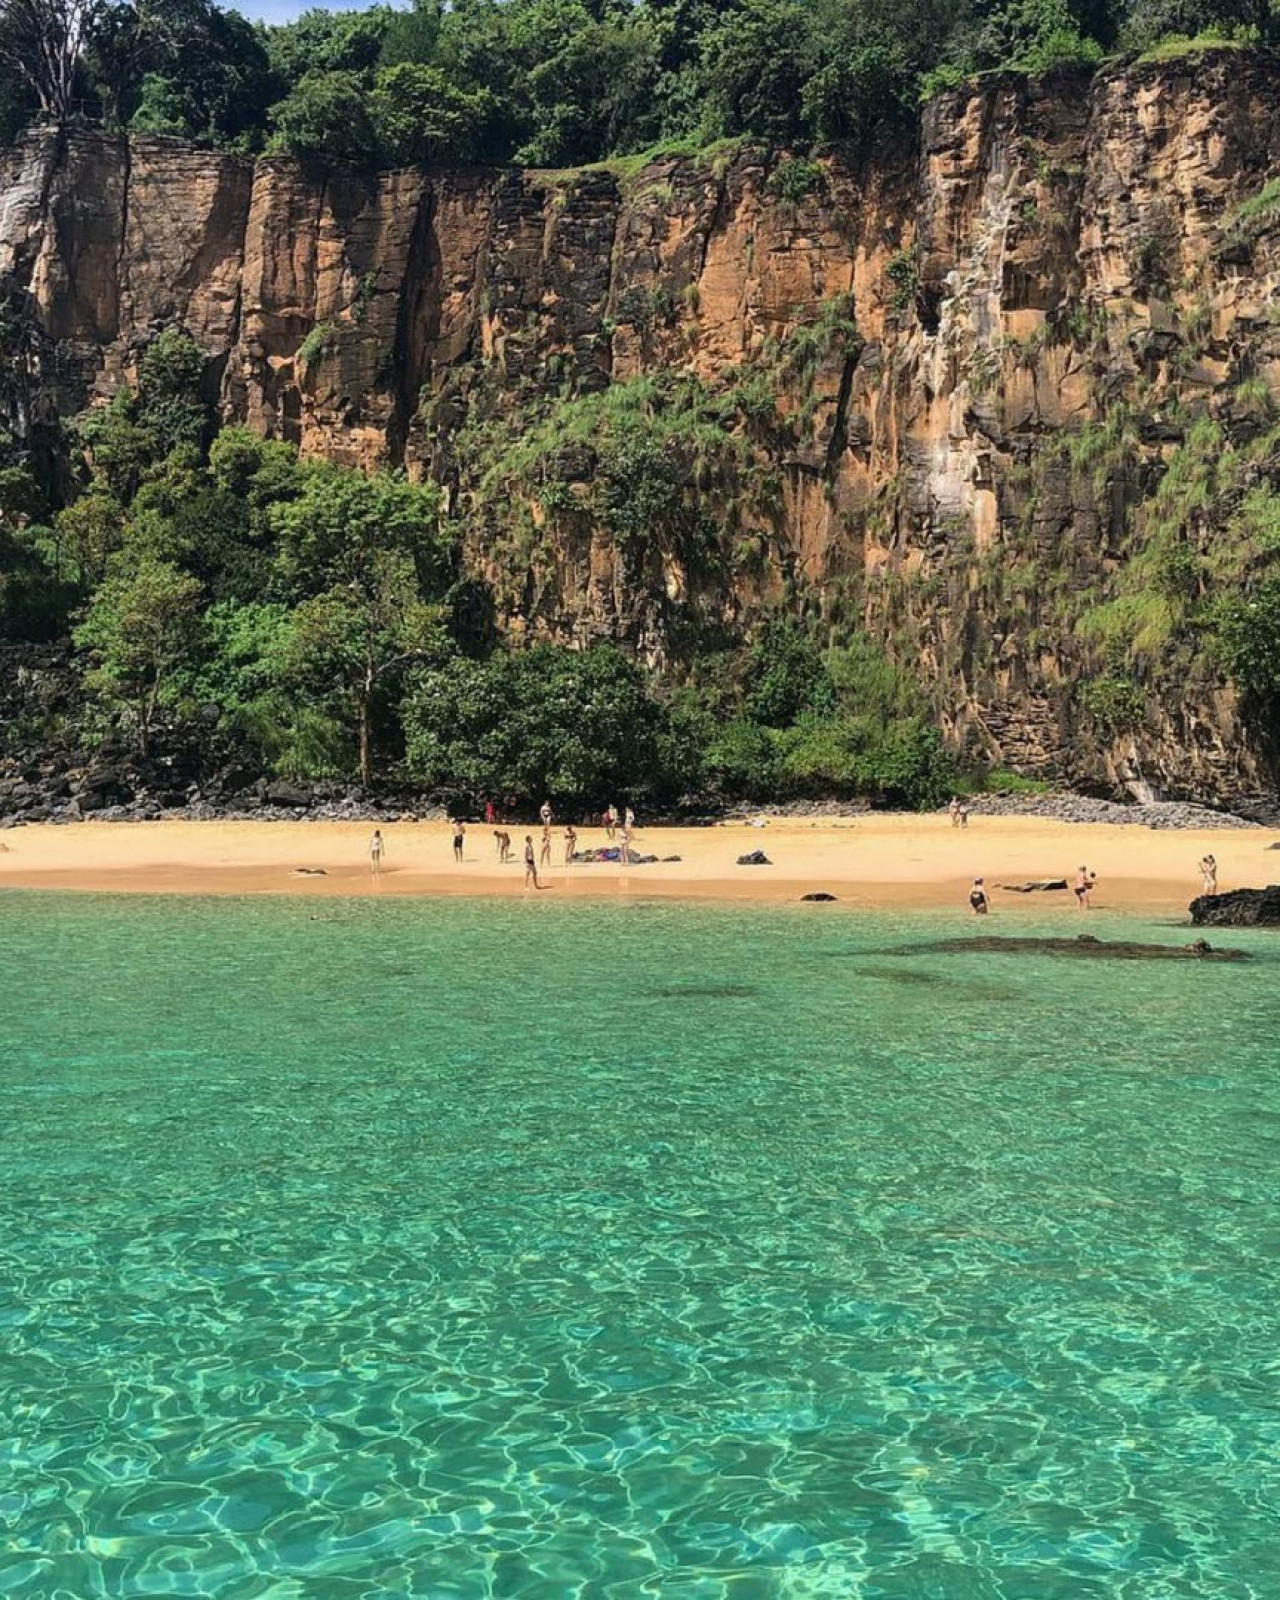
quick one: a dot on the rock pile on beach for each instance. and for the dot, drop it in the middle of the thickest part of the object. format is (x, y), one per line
(121, 794)
(1083, 808)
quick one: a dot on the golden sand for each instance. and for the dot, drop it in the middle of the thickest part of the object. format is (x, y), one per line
(871, 860)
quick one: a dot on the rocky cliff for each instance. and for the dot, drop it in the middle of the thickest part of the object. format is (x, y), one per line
(984, 356)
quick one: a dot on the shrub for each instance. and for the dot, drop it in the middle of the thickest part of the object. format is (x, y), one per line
(792, 179)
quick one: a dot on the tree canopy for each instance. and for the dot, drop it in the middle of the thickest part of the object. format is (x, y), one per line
(551, 82)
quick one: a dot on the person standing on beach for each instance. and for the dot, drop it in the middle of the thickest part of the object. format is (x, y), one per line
(375, 852)
(530, 864)
(1085, 881)
(459, 834)
(503, 841)
(624, 845)
(978, 902)
(629, 820)
(953, 810)
(1209, 874)
(545, 813)
(570, 843)
(544, 854)
(610, 821)
(490, 815)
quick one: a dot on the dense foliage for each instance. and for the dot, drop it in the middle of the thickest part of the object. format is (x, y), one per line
(551, 82)
(244, 609)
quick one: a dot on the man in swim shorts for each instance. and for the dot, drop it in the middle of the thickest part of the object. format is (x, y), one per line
(1085, 881)
(530, 863)
(459, 834)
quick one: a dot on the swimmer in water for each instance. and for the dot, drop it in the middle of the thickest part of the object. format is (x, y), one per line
(978, 902)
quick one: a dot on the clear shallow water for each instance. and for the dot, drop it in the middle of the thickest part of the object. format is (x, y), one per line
(464, 1249)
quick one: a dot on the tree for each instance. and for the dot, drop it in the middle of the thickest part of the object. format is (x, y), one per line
(576, 725)
(370, 559)
(42, 43)
(327, 115)
(419, 116)
(140, 630)
(351, 639)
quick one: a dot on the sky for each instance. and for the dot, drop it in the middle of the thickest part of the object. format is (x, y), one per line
(287, 10)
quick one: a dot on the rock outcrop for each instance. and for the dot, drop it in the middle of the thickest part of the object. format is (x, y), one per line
(1047, 294)
(1238, 908)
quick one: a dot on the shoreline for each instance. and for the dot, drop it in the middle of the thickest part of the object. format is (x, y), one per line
(870, 861)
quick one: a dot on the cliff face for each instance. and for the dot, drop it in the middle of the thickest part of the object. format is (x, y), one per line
(1056, 263)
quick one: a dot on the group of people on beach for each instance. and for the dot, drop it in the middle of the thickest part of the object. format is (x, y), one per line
(979, 900)
(534, 860)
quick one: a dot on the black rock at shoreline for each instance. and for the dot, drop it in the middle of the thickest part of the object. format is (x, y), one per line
(1239, 908)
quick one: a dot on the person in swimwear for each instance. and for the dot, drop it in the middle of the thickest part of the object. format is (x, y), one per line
(530, 863)
(1085, 881)
(978, 902)
(1209, 874)
(503, 841)
(459, 834)
(375, 852)
(544, 854)
(570, 843)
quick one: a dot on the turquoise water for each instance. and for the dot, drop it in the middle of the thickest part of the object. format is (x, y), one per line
(452, 1249)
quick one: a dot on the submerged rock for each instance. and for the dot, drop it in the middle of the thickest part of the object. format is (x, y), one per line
(1239, 908)
(1084, 945)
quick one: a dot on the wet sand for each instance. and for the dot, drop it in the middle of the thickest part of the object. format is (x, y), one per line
(880, 860)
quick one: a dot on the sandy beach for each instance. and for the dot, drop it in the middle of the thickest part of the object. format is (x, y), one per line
(877, 860)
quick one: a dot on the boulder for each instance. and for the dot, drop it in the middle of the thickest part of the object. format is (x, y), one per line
(1034, 886)
(289, 795)
(1240, 908)
(755, 858)
(821, 894)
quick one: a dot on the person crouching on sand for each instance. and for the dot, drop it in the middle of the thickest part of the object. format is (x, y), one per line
(1085, 881)
(530, 863)
(503, 841)
(978, 902)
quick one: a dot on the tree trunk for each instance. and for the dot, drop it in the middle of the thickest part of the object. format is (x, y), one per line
(366, 718)
(366, 742)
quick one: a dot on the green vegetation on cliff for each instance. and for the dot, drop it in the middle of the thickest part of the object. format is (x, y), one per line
(554, 83)
(235, 606)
